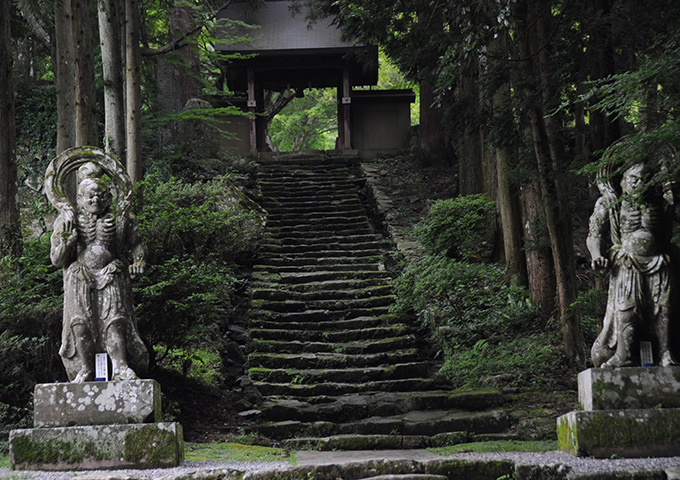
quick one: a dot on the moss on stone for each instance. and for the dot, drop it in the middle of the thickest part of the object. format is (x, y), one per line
(150, 445)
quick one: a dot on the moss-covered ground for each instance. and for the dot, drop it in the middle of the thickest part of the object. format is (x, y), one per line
(234, 452)
(497, 446)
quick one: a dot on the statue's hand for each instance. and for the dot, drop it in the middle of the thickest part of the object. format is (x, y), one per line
(137, 269)
(600, 263)
(70, 233)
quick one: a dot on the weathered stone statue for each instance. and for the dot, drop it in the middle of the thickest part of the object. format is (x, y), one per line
(97, 242)
(630, 236)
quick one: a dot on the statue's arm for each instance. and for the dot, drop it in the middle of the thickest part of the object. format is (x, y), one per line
(137, 248)
(63, 241)
(597, 233)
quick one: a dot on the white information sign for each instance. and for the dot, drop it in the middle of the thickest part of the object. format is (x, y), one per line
(101, 367)
(646, 357)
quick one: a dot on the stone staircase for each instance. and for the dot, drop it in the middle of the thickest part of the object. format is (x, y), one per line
(335, 367)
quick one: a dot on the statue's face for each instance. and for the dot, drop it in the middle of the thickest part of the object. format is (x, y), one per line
(92, 197)
(632, 179)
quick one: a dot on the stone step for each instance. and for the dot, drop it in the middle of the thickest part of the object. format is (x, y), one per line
(318, 276)
(315, 207)
(304, 182)
(269, 239)
(382, 404)
(329, 285)
(313, 264)
(320, 315)
(343, 324)
(398, 371)
(336, 389)
(342, 304)
(331, 336)
(309, 231)
(270, 201)
(326, 222)
(269, 249)
(379, 345)
(281, 294)
(414, 423)
(337, 254)
(331, 360)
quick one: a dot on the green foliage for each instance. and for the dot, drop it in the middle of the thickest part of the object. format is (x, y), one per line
(482, 325)
(459, 228)
(307, 123)
(202, 364)
(196, 234)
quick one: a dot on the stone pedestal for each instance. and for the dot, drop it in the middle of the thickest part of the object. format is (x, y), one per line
(628, 412)
(96, 425)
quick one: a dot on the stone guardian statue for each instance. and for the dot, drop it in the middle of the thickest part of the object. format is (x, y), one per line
(97, 242)
(630, 237)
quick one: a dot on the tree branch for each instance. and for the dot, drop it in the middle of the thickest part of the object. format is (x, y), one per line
(183, 40)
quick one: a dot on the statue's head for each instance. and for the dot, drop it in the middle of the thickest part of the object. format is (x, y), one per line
(634, 179)
(93, 194)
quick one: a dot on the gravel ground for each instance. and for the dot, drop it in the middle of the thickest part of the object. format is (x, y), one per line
(198, 470)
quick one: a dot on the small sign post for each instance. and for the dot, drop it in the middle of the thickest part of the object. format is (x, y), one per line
(646, 357)
(101, 367)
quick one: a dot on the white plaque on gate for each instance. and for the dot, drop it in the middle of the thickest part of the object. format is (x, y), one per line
(101, 367)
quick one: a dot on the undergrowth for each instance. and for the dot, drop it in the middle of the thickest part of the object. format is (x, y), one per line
(481, 325)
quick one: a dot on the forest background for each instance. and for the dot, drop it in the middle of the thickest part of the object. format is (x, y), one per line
(520, 99)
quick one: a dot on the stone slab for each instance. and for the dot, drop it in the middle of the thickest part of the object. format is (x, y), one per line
(97, 403)
(624, 433)
(629, 388)
(148, 445)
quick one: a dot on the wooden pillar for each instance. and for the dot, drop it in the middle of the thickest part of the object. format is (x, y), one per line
(340, 144)
(261, 120)
(252, 109)
(346, 109)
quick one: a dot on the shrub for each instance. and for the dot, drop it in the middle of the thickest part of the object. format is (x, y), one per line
(196, 235)
(461, 228)
(481, 325)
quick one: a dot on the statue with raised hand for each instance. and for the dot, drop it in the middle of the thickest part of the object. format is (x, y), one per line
(630, 237)
(97, 242)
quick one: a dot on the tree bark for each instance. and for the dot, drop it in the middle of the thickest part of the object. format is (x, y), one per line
(112, 69)
(10, 228)
(183, 25)
(470, 156)
(64, 72)
(86, 100)
(435, 146)
(133, 100)
(551, 168)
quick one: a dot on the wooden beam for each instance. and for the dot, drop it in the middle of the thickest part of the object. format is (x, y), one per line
(252, 108)
(346, 108)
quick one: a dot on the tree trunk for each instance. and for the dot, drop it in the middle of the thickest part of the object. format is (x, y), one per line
(551, 168)
(470, 172)
(539, 264)
(10, 229)
(133, 100)
(181, 23)
(86, 99)
(435, 146)
(507, 197)
(112, 69)
(64, 72)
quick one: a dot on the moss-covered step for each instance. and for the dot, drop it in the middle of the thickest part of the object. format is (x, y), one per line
(336, 389)
(412, 424)
(319, 276)
(148, 445)
(319, 315)
(376, 404)
(312, 263)
(283, 293)
(624, 433)
(357, 347)
(303, 246)
(341, 324)
(331, 360)
(332, 336)
(324, 240)
(343, 304)
(338, 375)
